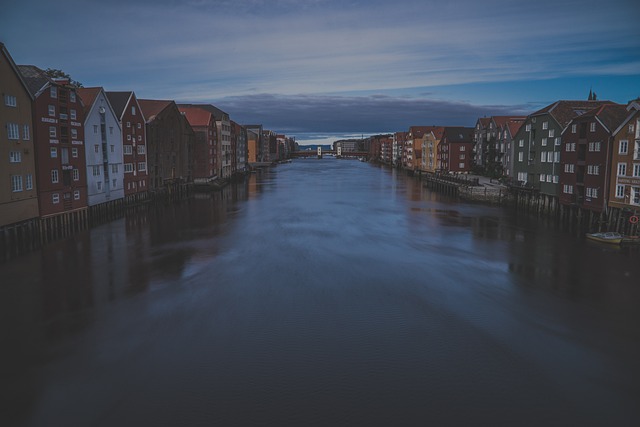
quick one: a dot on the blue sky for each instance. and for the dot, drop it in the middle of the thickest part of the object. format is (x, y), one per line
(339, 66)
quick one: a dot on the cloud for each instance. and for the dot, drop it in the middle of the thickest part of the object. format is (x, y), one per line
(304, 113)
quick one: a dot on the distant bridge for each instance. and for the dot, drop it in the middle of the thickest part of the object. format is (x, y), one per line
(314, 153)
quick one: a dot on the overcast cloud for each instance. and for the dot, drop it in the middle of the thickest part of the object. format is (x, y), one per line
(337, 64)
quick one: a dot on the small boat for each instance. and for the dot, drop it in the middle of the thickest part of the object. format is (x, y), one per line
(606, 237)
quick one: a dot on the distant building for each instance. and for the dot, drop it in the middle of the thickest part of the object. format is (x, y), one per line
(170, 142)
(206, 148)
(455, 150)
(18, 188)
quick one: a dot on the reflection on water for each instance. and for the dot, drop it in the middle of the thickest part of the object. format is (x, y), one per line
(321, 293)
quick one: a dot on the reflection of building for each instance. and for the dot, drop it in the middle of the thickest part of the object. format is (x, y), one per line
(18, 191)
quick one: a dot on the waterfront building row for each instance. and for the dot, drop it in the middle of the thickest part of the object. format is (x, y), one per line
(582, 155)
(66, 149)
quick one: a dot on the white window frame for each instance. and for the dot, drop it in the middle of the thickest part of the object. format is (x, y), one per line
(16, 183)
(13, 131)
(15, 156)
(623, 147)
(622, 169)
(620, 191)
(55, 176)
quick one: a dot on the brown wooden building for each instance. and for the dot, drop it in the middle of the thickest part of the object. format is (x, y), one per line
(206, 147)
(134, 143)
(58, 142)
(585, 157)
(624, 190)
(170, 142)
(18, 191)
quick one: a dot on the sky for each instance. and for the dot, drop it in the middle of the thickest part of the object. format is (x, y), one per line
(319, 69)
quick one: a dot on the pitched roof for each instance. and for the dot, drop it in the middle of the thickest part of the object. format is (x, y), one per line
(88, 96)
(15, 68)
(152, 107)
(484, 121)
(119, 101)
(458, 134)
(515, 125)
(500, 121)
(217, 113)
(34, 77)
(564, 111)
(196, 116)
(611, 115)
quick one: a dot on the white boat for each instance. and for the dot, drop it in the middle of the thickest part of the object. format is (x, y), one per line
(606, 237)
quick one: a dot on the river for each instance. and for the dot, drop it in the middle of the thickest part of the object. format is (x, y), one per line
(322, 292)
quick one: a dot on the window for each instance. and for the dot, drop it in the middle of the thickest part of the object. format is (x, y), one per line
(624, 147)
(556, 179)
(461, 165)
(99, 185)
(636, 151)
(139, 126)
(631, 128)
(74, 133)
(96, 148)
(72, 96)
(622, 169)
(10, 101)
(567, 189)
(128, 124)
(13, 131)
(635, 195)
(76, 174)
(76, 195)
(544, 142)
(558, 141)
(574, 128)
(528, 127)
(15, 156)
(114, 168)
(53, 92)
(26, 133)
(54, 176)
(545, 125)
(543, 156)
(549, 178)
(128, 137)
(74, 152)
(462, 148)
(128, 167)
(552, 133)
(96, 170)
(520, 156)
(133, 110)
(114, 184)
(139, 137)
(128, 149)
(112, 148)
(54, 152)
(592, 127)
(72, 114)
(52, 110)
(28, 178)
(16, 183)
(461, 156)
(95, 129)
(52, 132)
(592, 192)
(543, 177)
(636, 169)
(556, 157)
(619, 191)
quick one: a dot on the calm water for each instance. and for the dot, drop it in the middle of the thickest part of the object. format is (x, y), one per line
(322, 293)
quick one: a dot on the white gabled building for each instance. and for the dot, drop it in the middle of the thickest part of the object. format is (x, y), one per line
(103, 148)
